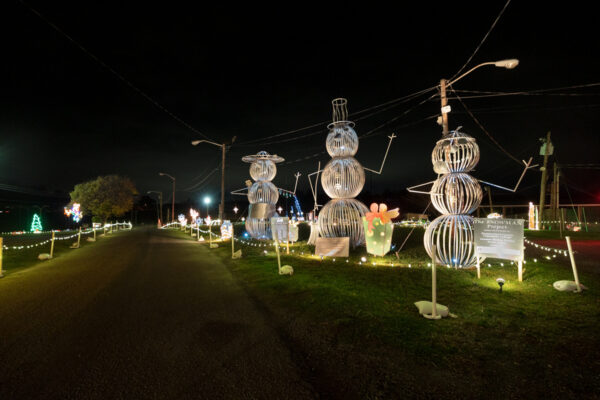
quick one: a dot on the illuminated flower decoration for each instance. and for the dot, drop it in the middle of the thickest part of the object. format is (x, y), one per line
(379, 229)
(75, 212)
(226, 230)
(381, 212)
(182, 219)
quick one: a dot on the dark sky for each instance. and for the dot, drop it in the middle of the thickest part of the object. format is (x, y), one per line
(254, 72)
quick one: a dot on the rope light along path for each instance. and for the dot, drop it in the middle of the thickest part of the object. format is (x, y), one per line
(43, 242)
(362, 261)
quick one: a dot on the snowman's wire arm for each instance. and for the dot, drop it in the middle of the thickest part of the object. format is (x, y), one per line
(238, 192)
(384, 157)
(527, 166)
(314, 188)
(412, 189)
(297, 175)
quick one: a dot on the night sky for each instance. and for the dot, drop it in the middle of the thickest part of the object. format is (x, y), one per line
(255, 72)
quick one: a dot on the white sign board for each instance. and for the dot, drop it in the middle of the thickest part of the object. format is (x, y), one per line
(279, 228)
(332, 247)
(499, 238)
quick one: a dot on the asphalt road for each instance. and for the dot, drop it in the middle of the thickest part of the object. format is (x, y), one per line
(139, 315)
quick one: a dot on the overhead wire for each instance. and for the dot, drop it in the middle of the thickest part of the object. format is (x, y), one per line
(485, 130)
(113, 71)
(391, 104)
(482, 41)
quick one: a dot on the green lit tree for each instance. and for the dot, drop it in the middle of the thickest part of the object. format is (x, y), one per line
(36, 224)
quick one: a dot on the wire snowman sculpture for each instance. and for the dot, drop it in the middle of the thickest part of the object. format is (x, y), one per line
(455, 194)
(342, 179)
(262, 193)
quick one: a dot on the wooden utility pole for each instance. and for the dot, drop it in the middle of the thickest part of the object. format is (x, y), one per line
(489, 192)
(544, 177)
(444, 105)
(222, 204)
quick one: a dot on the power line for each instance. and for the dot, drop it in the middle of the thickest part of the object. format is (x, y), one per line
(113, 71)
(584, 85)
(391, 104)
(370, 133)
(482, 41)
(485, 130)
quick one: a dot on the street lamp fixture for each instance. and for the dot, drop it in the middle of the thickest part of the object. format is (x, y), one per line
(223, 147)
(160, 198)
(509, 63)
(173, 198)
(207, 202)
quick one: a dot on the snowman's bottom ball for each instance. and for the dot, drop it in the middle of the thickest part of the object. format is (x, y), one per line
(454, 240)
(343, 217)
(259, 228)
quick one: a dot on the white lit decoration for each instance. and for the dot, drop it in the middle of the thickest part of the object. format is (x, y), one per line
(262, 194)
(74, 211)
(182, 219)
(194, 214)
(226, 230)
(455, 194)
(343, 178)
(533, 217)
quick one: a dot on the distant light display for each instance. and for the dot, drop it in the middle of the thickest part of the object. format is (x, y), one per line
(74, 212)
(194, 214)
(36, 224)
(226, 230)
(182, 219)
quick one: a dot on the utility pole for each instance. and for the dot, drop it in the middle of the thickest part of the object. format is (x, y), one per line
(222, 204)
(173, 199)
(223, 147)
(547, 152)
(445, 108)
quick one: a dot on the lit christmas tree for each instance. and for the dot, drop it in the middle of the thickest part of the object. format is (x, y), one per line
(36, 224)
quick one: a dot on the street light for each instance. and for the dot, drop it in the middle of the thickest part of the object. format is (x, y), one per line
(160, 214)
(508, 64)
(173, 199)
(207, 202)
(223, 147)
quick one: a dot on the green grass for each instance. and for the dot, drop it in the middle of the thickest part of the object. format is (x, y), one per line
(517, 335)
(14, 260)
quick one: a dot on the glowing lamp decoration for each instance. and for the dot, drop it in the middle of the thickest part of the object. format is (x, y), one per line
(534, 222)
(74, 212)
(226, 230)
(182, 219)
(262, 193)
(36, 224)
(194, 214)
(494, 215)
(379, 229)
(343, 179)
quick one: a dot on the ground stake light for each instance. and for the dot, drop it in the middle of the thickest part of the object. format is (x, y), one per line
(500, 283)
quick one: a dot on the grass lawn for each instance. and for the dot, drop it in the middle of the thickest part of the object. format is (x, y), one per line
(14, 260)
(528, 341)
